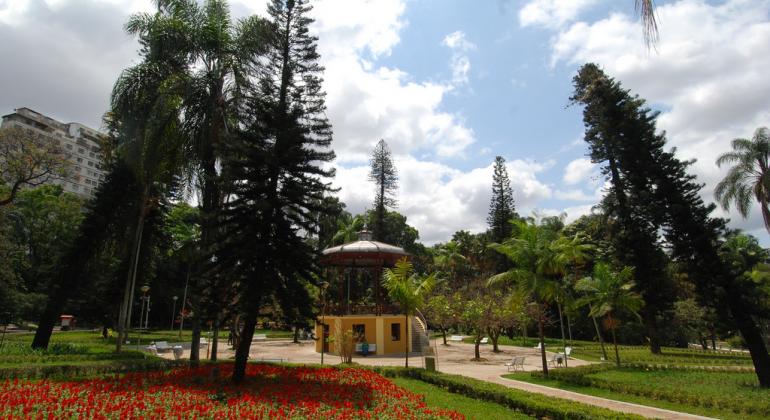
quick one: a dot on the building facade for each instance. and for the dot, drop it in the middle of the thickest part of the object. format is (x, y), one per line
(81, 144)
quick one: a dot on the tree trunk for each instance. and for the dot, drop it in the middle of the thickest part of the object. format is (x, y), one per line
(214, 342)
(563, 337)
(541, 333)
(651, 325)
(244, 346)
(443, 334)
(195, 344)
(296, 335)
(614, 340)
(476, 345)
(406, 340)
(569, 327)
(598, 333)
(494, 335)
(124, 319)
(754, 342)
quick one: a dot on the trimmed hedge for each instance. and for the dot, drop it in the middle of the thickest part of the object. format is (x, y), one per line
(69, 370)
(536, 405)
(732, 397)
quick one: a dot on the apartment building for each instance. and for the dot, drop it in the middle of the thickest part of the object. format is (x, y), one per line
(81, 143)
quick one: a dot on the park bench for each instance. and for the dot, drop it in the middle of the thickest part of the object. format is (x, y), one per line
(372, 347)
(557, 359)
(260, 337)
(456, 338)
(516, 363)
(484, 340)
(162, 346)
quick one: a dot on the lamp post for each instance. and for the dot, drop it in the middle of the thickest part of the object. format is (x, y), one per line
(144, 289)
(173, 309)
(324, 285)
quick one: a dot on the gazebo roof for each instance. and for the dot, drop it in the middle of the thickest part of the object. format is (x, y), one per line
(363, 253)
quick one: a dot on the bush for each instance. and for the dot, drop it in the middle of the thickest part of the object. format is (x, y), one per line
(536, 405)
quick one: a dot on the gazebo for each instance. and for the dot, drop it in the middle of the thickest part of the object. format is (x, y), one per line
(356, 301)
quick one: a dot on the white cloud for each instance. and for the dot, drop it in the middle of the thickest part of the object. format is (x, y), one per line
(460, 63)
(578, 170)
(552, 13)
(439, 200)
(709, 74)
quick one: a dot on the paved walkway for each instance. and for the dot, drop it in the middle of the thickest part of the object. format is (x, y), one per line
(454, 359)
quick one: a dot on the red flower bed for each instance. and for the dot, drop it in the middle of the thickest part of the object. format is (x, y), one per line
(270, 391)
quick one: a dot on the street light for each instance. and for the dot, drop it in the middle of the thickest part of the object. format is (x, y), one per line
(324, 285)
(173, 309)
(144, 289)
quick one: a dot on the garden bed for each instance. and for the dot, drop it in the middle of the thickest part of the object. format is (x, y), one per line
(270, 391)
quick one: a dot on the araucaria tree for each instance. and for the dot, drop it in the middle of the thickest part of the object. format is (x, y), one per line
(618, 130)
(273, 175)
(501, 206)
(652, 190)
(383, 174)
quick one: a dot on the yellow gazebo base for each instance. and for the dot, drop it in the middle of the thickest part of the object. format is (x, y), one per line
(385, 334)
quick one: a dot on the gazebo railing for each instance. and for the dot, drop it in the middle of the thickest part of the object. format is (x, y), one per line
(362, 309)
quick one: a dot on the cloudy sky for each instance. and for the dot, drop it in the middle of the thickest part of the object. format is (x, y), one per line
(450, 84)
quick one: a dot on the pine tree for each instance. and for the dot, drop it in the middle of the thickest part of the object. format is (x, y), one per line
(383, 174)
(501, 206)
(273, 175)
(618, 132)
(653, 190)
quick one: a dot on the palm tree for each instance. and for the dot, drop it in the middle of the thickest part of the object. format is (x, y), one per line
(347, 228)
(530, 250)
(214, 61)
(748, 177)
(568, 253)
(609, 292)
(409, 290)
(449, 260)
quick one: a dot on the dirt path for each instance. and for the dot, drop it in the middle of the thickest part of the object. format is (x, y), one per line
(454, 359)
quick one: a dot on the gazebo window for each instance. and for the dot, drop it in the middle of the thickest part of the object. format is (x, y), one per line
(395, 332)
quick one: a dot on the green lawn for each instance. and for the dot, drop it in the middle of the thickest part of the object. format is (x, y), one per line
(723, 394)
(437, 397)
(591, 351)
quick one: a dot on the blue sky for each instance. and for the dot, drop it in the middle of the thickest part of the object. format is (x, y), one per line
(449, 84)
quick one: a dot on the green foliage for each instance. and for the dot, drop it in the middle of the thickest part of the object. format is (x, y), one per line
(501, 205)
(383, 174)
(535, 405)
(749, 178)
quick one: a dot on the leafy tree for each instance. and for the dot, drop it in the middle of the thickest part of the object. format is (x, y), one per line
(620, 133)
(749, 177)
(656, 176)
(451, 262)
(530, 251)
(609, 293)
(383, 174)
(348, 227)
(501, 206)
(442, 312)
(501, 316)
(409, 290)
(28, 159)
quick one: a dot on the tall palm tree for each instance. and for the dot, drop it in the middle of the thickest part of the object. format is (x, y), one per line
(409, 290)
(215, 61)
(749, 177)
(609, 292)
(530, 250)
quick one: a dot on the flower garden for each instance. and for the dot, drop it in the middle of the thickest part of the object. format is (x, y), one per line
(271, 391)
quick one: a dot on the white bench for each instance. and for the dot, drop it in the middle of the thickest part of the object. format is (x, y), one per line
(260, 337)
(484, 340)
(162, 346)
(516, 363)
(372, 347)
(457, 338)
